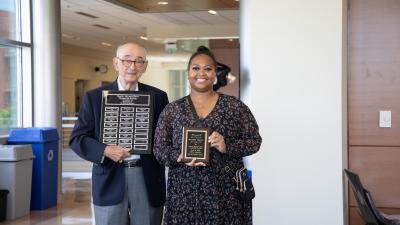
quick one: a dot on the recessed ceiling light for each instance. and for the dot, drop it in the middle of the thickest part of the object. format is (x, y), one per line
(143, 37)
(213, 12)
(162, 3)
(106, 44)
(70, 36)
(236, 0)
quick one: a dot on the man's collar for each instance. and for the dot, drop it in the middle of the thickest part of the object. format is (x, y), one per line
(121, 88)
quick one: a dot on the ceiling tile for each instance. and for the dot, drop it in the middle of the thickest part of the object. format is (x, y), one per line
(129, 25)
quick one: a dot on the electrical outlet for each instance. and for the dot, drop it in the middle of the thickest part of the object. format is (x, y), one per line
(385, 118)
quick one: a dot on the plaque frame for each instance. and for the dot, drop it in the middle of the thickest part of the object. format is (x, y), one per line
(127, 120)
(205, 154)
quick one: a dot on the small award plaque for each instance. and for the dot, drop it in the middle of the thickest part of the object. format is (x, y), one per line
(127, 120)
(195, 144)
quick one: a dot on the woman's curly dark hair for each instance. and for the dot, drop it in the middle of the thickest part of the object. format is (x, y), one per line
(203, 50)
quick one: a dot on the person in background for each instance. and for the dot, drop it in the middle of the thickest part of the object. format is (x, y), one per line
(200, 193)
(121, 182)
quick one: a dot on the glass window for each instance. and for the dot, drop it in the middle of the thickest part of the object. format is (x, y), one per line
(9, 96)
(15, 48)
(179, 83)
(8, 19)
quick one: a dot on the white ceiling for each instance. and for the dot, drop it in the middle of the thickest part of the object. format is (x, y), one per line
(127, 25)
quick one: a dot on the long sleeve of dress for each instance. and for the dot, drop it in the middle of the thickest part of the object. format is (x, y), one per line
(164, 150)
(247, 140)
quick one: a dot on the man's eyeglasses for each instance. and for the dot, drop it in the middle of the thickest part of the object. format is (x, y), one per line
(137, 63)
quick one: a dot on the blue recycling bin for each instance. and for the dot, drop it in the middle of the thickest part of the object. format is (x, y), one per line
(44, 143)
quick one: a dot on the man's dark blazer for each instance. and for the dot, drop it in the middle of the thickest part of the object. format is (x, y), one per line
(108, 178)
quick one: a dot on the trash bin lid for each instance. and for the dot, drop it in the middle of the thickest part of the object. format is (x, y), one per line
(13, 153)
(33, 135)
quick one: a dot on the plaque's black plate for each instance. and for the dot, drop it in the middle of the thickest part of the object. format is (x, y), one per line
(195, 144)
(127, 120)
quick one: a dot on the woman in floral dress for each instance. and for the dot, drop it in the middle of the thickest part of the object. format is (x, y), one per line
(199, 193)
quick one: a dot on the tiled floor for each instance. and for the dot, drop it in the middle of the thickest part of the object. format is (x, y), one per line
(73, 207)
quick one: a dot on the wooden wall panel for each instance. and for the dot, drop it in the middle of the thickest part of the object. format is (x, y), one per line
(355, 218)
(147, 6)
(374, 71)
(378, 168)
(374, 85)
(228, 53)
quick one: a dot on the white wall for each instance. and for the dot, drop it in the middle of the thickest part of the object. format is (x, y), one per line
(293, 78)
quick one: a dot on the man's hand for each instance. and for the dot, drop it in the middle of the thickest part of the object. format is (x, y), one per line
(116, 153)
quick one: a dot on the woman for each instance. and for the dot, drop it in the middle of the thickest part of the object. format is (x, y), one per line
(199, 193)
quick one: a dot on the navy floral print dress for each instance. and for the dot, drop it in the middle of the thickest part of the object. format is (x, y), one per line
(206, 195)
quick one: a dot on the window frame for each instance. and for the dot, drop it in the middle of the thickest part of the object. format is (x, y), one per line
(23, 46)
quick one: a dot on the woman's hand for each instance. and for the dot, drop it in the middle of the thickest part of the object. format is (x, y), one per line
(191, 163)
(217, 141)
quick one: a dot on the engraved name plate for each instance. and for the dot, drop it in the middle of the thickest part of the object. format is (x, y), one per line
(127, 120)
(195, 144)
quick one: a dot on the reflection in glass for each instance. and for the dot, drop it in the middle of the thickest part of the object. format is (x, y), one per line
(9, 112)
(8, 19)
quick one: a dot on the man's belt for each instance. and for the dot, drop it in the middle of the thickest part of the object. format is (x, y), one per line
(133, 163)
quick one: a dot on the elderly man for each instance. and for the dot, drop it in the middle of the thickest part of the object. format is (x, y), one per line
(125, 187)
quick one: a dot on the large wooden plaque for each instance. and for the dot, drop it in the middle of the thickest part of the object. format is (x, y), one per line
(127, 120)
